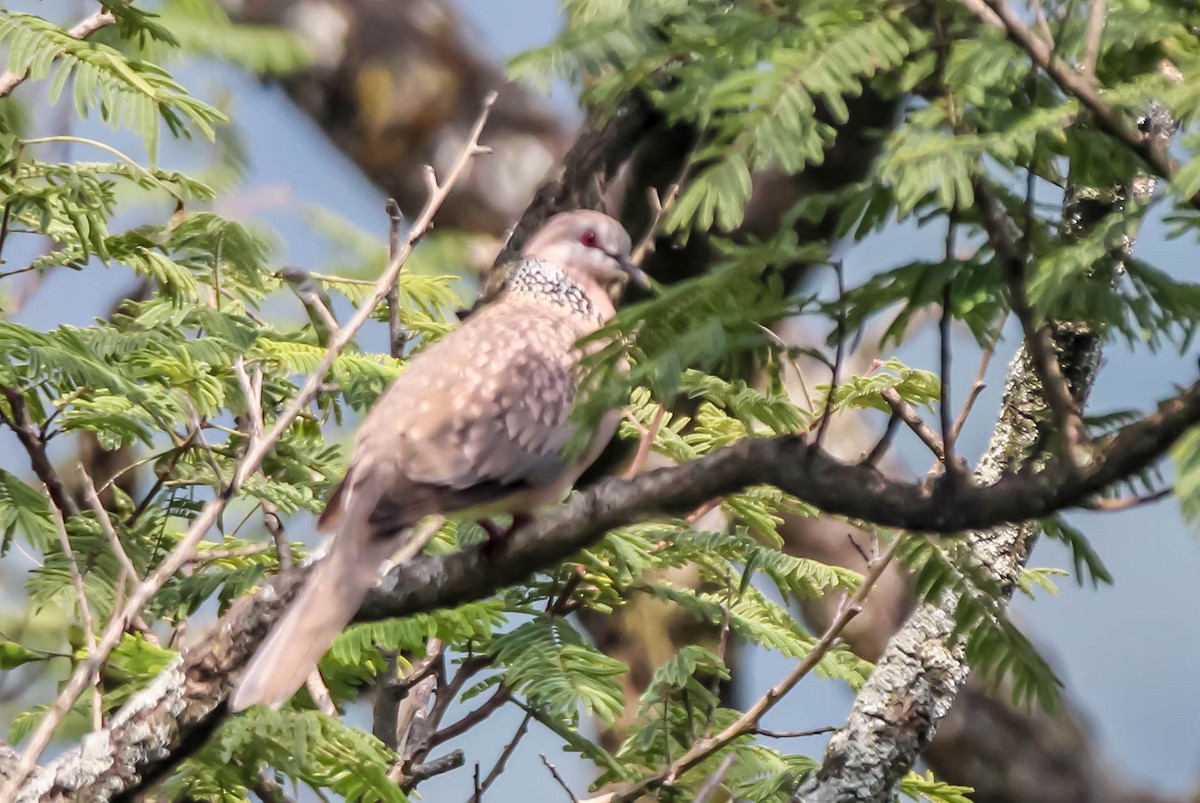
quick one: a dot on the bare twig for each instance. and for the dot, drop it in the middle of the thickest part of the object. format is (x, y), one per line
(978, 385)
(247, 465)
(93, 500)
(251, 388)
(909, 416)
(505, 754)
(748, 721)
(82, 30)
(660, 206)
(397, 337)
(1127, 502)
(420, 772)
(85, 614)
(646, 443)
(839, 353)
(794, 734)
(554, 771)
(320, 694)
(885, 441)
(499, 697)
(714, 781)
(1092, 37)
(944, 356)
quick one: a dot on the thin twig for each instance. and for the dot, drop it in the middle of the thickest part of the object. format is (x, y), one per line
(794, 734)
(714, 781)
(1127, 502)
(885, 440)
(505, 754)
(554, 771)
(978, 385)
(82, 30)
(646, 442)
(659, 206)
(839, 353)
(247, 465)
(748, 721)
(93, 500)
(1092, 37)
(320, 694)
(21, 422)
(499, 697)
(428, 769)
(397, 337)
(917, 424)
(85, 613)
(252, 389)
(944, 356)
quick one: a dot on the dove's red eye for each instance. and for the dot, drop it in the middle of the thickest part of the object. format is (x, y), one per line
(589, 239)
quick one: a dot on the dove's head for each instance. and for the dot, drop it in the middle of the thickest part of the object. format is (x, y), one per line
(592, 248)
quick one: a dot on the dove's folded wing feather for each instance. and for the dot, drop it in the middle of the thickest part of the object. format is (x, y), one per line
(481, 416)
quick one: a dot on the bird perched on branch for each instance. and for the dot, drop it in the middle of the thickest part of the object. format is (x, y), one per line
(474, 427)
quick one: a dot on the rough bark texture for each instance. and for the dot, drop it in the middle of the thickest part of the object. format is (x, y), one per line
(896, 714)
(162, 725)
(395, 85)
(923, 667)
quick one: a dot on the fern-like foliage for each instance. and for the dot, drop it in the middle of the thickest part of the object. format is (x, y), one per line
(768, 85)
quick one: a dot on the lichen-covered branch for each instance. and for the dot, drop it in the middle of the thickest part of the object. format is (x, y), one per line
(163, 724)
(924, 665)
(923, 668)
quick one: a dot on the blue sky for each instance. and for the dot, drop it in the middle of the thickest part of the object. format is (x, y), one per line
(1120, 649)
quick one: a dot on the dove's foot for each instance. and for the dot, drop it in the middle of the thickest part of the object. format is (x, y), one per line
(496, 534)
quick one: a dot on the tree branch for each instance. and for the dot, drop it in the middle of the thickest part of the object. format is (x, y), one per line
(1079, 85)
(31, 438)
(924, 666)
(748, 721)
(157, 729)
(82, 30)
(249, 463)
(1067, 419)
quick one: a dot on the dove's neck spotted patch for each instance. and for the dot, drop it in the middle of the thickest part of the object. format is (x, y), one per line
(531, 276)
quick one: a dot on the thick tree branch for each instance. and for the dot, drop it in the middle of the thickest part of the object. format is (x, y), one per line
(923, 666)
(1067, 419)
(250, 462)
(914, 684)
(160, 726)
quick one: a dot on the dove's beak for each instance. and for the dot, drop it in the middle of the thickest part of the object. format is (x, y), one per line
(635, 274)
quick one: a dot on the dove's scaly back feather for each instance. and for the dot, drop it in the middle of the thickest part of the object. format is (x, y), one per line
(476, 424)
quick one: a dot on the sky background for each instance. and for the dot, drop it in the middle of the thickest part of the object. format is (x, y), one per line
(1126, 653)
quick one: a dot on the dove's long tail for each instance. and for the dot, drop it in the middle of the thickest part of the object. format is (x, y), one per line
(330, 598)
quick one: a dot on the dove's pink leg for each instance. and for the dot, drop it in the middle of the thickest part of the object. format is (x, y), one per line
(496, 533)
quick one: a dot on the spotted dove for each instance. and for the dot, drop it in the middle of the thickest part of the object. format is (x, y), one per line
(475, 426)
